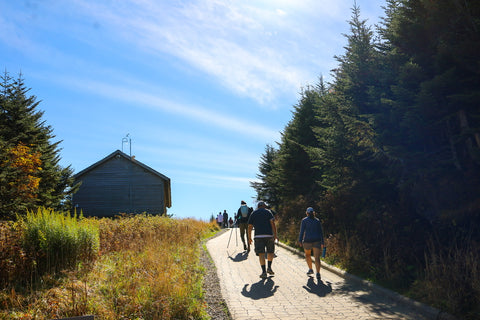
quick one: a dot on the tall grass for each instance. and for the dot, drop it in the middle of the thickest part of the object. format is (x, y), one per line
(147, 267)
(14, 263)
(452, 279)
(58, 241)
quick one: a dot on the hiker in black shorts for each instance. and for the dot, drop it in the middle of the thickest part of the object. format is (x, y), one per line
(265, 236)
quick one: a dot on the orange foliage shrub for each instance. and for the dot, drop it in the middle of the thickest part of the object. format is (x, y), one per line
(26, 164)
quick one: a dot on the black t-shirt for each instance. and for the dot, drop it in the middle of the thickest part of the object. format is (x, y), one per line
(260, 219)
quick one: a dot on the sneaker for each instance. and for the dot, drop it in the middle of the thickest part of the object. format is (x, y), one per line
(309, 272)
(270, 271)
(263, 275)
(319, 277)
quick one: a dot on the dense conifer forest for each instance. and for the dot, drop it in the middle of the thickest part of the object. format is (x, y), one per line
(388, 153)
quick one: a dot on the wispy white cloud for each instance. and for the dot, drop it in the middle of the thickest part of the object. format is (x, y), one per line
(144, 99)
(212, 180)
(202, 157)
(264, 50)
(254, 48)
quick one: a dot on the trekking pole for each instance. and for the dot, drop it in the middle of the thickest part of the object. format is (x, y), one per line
(236, 239)
(230, 237)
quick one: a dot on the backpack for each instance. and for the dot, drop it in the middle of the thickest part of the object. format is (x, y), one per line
(244, 211)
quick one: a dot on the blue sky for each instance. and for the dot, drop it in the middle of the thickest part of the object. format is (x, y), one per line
(201, 86)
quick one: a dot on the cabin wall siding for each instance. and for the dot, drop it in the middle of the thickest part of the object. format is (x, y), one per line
(119, 186)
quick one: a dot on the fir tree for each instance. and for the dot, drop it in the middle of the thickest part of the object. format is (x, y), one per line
(21, 124)
(267, 188)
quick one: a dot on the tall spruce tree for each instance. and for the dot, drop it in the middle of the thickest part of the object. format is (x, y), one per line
(267, 188)
(294, 171)
(356, 76)
(436, 103)
(21, 124)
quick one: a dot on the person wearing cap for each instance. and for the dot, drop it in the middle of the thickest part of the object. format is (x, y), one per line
(243, 214)
(265, 235)
(311, 237)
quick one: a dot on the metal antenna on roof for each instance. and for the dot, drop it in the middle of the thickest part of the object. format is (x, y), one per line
(128, 140)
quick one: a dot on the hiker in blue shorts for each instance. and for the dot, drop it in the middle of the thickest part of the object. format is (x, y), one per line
(265, 235)
(311, 236)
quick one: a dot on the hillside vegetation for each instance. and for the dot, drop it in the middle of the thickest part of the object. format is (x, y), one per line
(131, 267)
(388, 154)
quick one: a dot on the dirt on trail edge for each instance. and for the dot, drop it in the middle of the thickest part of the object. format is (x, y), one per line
(216, 306)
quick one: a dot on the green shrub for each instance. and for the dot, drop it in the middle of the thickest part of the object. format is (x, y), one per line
(58, 241)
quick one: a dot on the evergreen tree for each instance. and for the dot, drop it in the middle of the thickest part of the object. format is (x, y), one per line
(436, 102)
(21, 124)
(294, 172)
(356, 76)
(267, 188)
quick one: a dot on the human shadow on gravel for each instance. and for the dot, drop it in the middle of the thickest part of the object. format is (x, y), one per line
(263, 289)
(320, 289)
(239, 257)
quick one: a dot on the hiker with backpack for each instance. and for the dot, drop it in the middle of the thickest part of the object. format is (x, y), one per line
(243, 214)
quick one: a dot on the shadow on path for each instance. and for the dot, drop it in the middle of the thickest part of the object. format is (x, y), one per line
(320, 289)
(385, 306)
(263, 289)
(239, 257)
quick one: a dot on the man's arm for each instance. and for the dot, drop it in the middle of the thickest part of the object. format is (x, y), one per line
(249, 233)
(274, 228)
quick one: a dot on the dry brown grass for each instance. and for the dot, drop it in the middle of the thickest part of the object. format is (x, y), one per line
(452, 279)
(147, 268)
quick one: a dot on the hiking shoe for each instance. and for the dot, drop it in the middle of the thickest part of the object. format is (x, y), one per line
(309, 272)
(263, 275)
(270, 271)
(319, 277)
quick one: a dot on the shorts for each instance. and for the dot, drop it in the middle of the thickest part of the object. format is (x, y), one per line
(262, 243)
(310, 245)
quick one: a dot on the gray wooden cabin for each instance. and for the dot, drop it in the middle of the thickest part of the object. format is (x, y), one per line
(120, 184)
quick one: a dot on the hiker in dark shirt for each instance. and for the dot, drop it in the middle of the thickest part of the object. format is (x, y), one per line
(243, 214)
(265, 235)
(225, 219)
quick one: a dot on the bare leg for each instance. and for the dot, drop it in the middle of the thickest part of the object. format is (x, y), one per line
(308, 257)
(316, 254)
(261, 258)
(270, 256)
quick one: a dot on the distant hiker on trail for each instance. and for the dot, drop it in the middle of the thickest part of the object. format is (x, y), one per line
(311, 236)
(230, 222)
(243, 214)
(225, 219)
(220, 219)
(265, 236)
